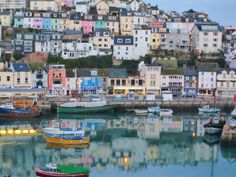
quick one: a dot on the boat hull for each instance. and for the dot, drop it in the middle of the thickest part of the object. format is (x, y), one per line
(141, 112)
(41, 173)
(20, 115)
(213, 130)
(81, 110)
(66, 141)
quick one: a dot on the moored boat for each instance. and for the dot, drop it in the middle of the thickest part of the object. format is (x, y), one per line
(233, 113)
(166, 112)
(56, 170)
(141, 112)
(154, 110)
(214, 126)
(7, 110)
(208, 110)
(85, 106)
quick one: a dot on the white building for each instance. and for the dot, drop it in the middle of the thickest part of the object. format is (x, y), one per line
(141, 42)
(151, 75)
(226, 83)
(207, 78)
(71, 80)
(123, 47)
(82, 7)
(13, 4)
(76, 49)
(172, 80)
(40, 78)
(133, 5)
(207, 38)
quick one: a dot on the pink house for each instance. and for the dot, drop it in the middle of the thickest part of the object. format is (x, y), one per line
(87, 26)
(37, 23)
(68, 3)
(57, 79)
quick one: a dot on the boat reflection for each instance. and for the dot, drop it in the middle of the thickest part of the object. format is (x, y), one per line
(66, 146)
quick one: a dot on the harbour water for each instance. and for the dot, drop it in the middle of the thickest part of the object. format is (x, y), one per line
(122, 145)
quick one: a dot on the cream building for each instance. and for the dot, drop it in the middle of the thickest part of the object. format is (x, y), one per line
(46, 5)
(6, 18)
(126, 23)
(13, 4)
(102, 39)
(102, 8)
(207, 38)
(6, 79)
(151, 74)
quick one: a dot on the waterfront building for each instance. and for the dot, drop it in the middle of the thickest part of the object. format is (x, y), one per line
(151, 74)
(190, 82)
(120, 83)
(13, 4)
(44, 5)
(71, 81)
(226, 82)
(91, 83)
(57, 79)
(7, 80)
(172, 80)
(102, 39)
(123, 47)
(207, 78)
(40, 78)
(6, 18)
(141, 42)
(22, 75)
(207, 38)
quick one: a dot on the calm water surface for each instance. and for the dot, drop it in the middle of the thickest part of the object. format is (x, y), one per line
(124, 145)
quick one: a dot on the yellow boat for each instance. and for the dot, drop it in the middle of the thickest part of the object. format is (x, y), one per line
(67, 141)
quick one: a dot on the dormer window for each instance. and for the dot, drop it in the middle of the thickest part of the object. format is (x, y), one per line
(128, 41)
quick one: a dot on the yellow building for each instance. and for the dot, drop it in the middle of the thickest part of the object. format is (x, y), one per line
(47, 5)
(154, 41)
(6, 18)
(126, 24)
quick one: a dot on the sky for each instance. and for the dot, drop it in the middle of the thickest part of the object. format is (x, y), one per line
(221, 11)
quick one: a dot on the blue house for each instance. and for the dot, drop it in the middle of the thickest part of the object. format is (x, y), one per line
(90, 82)
(190, 82)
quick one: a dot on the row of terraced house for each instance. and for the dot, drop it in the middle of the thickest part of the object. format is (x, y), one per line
(207, 79)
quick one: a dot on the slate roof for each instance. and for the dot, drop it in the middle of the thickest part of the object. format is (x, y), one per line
(190, 72)
(211, 67)
(84, 72)
(200, 25)
(21, 67)
(170, 71)
(117, 73)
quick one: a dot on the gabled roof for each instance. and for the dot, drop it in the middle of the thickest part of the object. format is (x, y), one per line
(20, 67)
(208, 67)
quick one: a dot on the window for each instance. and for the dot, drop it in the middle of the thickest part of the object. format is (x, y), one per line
(119, 40)
(140, 82)
(153, 83)
(215, 45)
(146, 39)
(18, 80)
(132, 82)
(128, 41)
(127, 48)
(26, 80)
(123, 82)
(205, 45)
(118, 82)
(206, 34)
(112, 82)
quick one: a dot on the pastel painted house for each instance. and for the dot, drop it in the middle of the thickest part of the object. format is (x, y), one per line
(19, 19)
(57, 79)
(87, 26)
(100, 24)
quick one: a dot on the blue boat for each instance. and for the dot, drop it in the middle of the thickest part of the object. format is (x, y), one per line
(7, 110)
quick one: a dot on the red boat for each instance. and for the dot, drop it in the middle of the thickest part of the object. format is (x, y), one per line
(54, 170)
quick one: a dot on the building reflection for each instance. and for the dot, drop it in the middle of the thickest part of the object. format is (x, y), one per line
(128, 143)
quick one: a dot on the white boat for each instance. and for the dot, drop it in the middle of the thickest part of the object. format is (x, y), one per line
(57, 130)
(141, 112)
(233, 113)
(166, 112)
(155, 110)
(208, 110)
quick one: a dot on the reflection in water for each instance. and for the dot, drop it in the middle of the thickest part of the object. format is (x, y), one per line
(128, 143)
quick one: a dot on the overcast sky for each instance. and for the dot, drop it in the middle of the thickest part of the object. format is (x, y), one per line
(222, 11)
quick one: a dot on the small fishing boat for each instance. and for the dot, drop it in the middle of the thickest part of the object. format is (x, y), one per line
(233, 113)
(56, 170)
(141, 112)
(166, 112)
(67, 139)
(56, 129)
(214, 126)
(154, 110)
(208, 110)
(7, 110)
